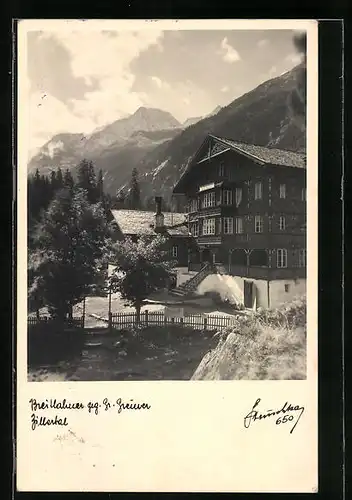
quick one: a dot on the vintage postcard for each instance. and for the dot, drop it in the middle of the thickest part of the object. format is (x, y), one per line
(167, 255)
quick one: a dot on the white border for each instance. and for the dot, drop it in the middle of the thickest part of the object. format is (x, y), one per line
(193, 439)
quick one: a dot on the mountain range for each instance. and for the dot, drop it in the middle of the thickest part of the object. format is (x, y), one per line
(159, 146)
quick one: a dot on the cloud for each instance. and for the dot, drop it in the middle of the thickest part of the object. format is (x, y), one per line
(48, 116)
(157, 81)
(225, 89)
(160, 83)
(262, 43)
(100, 57)
(186, 101)
(229, 53)
(272, 71)
(294, 58)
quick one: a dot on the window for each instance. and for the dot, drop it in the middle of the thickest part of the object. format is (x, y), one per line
(174, 251)
(222, 170)
(281, 257)
(287, 288)
(209, 200)
(206, 187)
(193, 205)
(258, 224)
(238, 225)
(258, 191)
(195, 229)
(304, 194)
(227, 197)
(302, 258)
(282, 190)
(209, 226)
(282, 223)
(238, 195)
(228, 225)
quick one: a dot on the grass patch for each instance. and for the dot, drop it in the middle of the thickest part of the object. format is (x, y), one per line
(268, 345)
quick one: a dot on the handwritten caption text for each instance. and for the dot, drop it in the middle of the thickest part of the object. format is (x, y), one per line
(92, 407)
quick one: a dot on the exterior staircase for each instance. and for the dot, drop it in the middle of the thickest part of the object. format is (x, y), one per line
(220, 269)
(189, 286)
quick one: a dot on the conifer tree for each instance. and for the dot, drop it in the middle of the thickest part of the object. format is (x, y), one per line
(86, 179)
(134, 194)
(59, 179)
(53, 183)
(100, 186)
(68, 179)
(120, 198)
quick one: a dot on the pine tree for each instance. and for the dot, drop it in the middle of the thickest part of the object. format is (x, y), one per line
(53, 183)
(59, 179)
(100, 186)
(134, 194)
(120, 199)
(37, 177)
(68, 179)
(92, 192)
(86, 179)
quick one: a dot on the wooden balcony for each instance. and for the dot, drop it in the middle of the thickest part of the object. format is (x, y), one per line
(211, 239)
(266, 273)
(216, 210)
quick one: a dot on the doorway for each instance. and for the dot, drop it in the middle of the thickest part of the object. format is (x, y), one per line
(248, 294)
(207, 256)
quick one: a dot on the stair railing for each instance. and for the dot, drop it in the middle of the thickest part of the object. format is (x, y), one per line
(195, 280)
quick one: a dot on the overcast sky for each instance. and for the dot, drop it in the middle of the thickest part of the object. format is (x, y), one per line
(82, 80)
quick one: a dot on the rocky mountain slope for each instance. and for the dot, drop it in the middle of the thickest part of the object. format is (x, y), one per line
(268, 115)
(193, 120)
(66, 150)
(153, 141)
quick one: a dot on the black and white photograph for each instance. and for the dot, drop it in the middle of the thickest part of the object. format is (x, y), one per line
(167, 279)
(166, 204)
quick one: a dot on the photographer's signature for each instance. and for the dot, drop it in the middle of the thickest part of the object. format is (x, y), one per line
(287, 413)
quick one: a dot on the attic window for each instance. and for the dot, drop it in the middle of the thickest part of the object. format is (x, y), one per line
(222, 169)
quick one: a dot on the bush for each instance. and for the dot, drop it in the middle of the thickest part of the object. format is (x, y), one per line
(290, 315)
(266, 345)
(50, 342)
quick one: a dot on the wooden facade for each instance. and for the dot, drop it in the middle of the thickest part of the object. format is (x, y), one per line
(247, 209)
(173, 226)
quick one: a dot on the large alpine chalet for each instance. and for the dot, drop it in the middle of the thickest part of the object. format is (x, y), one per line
(247, 213)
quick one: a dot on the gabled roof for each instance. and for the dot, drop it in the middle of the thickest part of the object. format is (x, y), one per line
(141, 222)
(268, 155)
(259, 154)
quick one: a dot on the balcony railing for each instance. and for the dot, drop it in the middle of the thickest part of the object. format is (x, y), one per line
(210, 239)
(249, 272)
(266, 273)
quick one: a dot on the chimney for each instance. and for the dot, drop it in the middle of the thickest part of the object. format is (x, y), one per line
(159, 217)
